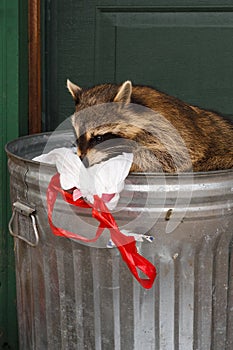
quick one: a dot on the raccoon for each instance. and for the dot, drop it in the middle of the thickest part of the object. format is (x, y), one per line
(163, 133)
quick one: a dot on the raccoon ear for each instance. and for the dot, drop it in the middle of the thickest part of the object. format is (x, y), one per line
(73, 89)
(124, 93)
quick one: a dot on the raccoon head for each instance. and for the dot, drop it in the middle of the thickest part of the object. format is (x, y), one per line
(101, 121)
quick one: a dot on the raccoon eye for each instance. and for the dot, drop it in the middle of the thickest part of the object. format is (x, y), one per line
(101, 138)
(97, 139)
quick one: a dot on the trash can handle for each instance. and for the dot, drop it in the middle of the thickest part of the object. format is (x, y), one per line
(26, 210)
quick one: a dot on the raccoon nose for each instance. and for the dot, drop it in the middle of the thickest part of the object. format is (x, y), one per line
(84, 159)
(85, 162)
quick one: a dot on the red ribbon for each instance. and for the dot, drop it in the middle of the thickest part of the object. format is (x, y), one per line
(125, 244)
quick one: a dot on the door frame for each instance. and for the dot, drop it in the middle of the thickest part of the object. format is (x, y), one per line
(34, 67)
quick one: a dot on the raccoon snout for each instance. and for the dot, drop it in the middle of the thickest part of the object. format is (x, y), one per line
(85, 161)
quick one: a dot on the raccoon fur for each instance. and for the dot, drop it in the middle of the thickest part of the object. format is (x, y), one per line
(164, 133)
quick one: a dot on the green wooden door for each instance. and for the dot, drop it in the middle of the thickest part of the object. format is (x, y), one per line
(13, 122)
(182, 47)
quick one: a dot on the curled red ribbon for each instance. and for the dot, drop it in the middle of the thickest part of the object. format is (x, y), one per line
(125, 244)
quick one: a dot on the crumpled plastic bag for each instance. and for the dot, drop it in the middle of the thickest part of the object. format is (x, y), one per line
(105, 179)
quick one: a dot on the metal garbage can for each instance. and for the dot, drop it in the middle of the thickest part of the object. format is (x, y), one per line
(76, 296)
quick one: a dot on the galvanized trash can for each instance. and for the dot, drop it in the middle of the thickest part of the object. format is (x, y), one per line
(76, 296)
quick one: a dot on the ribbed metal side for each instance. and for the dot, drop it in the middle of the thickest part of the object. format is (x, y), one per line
(72, 296)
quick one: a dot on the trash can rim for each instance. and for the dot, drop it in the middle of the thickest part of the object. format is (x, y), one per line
(149, 174)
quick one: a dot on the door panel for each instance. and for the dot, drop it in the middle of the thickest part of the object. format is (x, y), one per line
(188, 55)
(183, 49)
